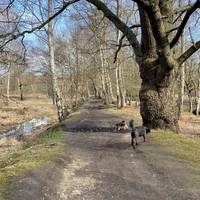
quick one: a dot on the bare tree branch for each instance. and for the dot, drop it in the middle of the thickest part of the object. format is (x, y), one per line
(195, 47)
(193, 8)
(126, 30)
(15, 36)
(8, 6)
(144, 4)
(120, 45)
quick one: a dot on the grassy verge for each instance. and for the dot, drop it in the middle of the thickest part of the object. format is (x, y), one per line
(33, 154)
(180, 147)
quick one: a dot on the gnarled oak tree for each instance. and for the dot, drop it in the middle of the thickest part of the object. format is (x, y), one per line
(156, 58)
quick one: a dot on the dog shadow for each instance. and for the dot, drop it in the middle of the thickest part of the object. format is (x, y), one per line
(93, 129)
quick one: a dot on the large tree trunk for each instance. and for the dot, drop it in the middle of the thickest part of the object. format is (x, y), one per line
(158, 107)
(56, 91)
(158, 104)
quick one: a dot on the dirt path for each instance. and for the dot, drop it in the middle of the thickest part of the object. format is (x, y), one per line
(100, 164)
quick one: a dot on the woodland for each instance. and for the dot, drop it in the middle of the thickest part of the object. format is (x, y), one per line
(99, 99)
(119, 51)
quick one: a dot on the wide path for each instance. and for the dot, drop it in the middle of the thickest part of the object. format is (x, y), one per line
(99, 164)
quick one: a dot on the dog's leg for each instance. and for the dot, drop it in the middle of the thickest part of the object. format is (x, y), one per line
(136, 139)
(117, 127)
(144, 136)
(133, 143)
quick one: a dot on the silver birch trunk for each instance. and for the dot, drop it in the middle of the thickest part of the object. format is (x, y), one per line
(182, 82)
(8, 86)
(121, 87)
(20, 85)
(191, 103)
(198, 100)
(88, 90)
(109, 85)
(119, 80)
(117, 71)
(103, 76)
(56, 91)
(119, 83)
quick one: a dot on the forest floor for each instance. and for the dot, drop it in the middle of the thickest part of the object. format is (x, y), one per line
(84, 159)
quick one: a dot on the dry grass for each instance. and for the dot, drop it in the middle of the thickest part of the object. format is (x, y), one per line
(190, 125)
(19, 111)
(128, 113)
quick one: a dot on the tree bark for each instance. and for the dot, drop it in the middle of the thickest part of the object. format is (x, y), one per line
(158, 107)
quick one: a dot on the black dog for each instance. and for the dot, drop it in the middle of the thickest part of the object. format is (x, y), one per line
(136, 132)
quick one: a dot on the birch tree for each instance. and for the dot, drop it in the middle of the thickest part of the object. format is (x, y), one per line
(56, 90)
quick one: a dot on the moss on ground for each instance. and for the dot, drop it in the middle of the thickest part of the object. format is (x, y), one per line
(181, 147)
(33, 154)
